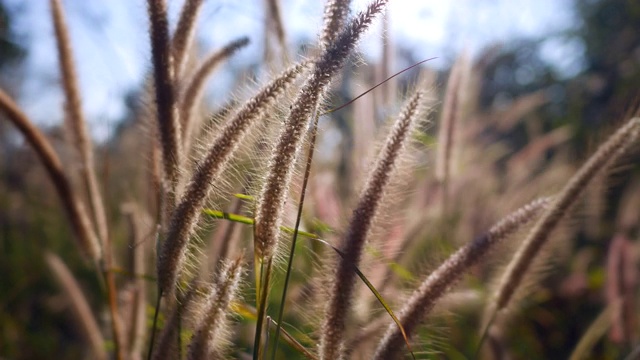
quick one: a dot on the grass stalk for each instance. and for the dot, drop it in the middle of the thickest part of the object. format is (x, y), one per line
(76, 213)
(262, 296)
(80, 307)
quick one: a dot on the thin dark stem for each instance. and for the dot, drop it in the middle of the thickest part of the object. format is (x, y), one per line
(376, 86)
(305, 181)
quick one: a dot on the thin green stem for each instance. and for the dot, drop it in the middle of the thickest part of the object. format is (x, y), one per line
(217, 214)
(294, 343)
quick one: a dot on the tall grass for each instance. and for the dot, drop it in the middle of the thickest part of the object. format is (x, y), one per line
(383, 247)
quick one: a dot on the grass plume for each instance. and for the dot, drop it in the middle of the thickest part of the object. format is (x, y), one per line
(335, 15)
(383, 236)
(270, 206)
(360, 224)
(165, 99)
(613, 148)
(207, 339)
(275, 16)
(452, 110)
(444, 277)
(75, 118)
(183, 36)
(195, 87)
(187, 213)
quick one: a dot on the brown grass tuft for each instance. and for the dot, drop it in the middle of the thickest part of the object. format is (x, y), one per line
(452, 110)
(335, 15)
(81, 140)
(183, 37)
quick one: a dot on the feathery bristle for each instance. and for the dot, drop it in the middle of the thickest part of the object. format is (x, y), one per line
(195, 87)
(166, 111)
(423, 299)
(360, 225)
(183, 36)
(272, 197)
(208, 330)
(606, 154)
(208, 169)
(335, 15)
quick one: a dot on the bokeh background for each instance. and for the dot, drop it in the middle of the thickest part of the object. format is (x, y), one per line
(539, 66)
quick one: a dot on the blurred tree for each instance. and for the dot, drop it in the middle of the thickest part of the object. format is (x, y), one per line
(10, 50)
(612, 58)
(602, 92)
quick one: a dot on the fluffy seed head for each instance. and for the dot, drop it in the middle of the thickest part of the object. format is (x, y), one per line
(183, 221)
(206, 340)
(360, 225)
(184, 33)
(423, 299)
(195, 87)
(272, 197)
(167, 116)
(607, 153)
(451, 115)
(335, 14)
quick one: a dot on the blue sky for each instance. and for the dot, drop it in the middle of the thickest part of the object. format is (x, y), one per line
(111, 50)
